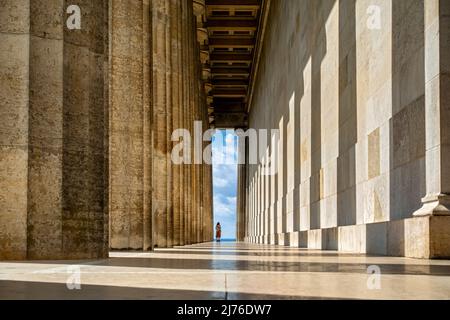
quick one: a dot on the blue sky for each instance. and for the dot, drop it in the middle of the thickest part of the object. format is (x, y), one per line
(224, 148)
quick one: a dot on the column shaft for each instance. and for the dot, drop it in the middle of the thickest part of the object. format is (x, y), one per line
(437, 108)
(176, 189)
(160, 143)
(130, 129)
(53, 155)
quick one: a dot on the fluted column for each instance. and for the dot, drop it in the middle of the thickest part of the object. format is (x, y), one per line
(189, 119)
(54, 123)
(192, 119)
(240, 210)
(200, 185)
(130, 129)
(196, 168)
(185, 95)
(147, 124)
(432, 221)
(176, 88)
(170, 23)
(437, 108)
(160, 106)
(14, 143)
(210, 202)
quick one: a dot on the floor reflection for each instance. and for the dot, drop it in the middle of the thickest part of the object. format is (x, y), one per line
(228, 271)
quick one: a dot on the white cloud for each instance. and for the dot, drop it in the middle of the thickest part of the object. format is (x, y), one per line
(223, 207)
(225, 148)
(220, 182)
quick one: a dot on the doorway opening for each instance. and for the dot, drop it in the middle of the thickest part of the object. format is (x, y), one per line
(225, 178)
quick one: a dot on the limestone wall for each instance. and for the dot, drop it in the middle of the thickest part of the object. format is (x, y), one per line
(348, 96)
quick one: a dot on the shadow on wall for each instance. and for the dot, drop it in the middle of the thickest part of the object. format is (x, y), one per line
(407, 132)
(407, 126)
(348, 116)
(306, 69)
(395, 151)
(308, 38)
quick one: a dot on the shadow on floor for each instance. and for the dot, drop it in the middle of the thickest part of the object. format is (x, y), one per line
(259, 253)
(18, 290)
(262, 265)
(265, 265)
(21, 290)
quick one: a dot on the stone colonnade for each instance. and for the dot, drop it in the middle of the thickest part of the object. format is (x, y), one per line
(156, 88)
(85, 129)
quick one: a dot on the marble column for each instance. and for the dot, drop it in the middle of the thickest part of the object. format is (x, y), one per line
(169, 108)
(197, 166)
(147, 124)
(175, 74)
(241, 190)
(437, 108)
(185, 95)
(160, 106)
(190, 126)
(130, 129)
(186, 104)
(210, 202)
(53, 154)
(206, 184)
(85, 135)
(14, 118)
(428, 233)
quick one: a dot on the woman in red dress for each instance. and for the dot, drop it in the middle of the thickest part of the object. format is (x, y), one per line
(218, 232)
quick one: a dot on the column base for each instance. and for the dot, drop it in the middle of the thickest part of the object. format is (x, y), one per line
(421, 237)
(435, 205)
(428, 237)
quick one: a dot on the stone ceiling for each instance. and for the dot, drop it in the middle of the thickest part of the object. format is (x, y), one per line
(228, 32)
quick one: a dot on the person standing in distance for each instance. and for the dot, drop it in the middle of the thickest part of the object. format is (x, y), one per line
(218, 232)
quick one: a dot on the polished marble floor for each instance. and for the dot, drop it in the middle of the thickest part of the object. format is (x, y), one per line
(228, 271)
